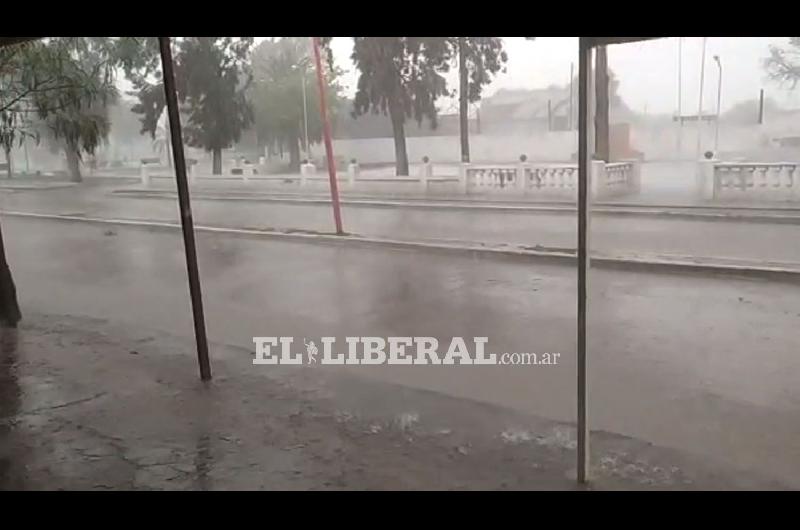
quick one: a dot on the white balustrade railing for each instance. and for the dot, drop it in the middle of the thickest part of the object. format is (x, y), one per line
(491, 178)
(524, 178)
(608, 180)
(617, 178)
(560, 178)
(772, 181)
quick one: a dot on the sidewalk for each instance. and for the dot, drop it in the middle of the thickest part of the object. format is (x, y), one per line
(86, 404)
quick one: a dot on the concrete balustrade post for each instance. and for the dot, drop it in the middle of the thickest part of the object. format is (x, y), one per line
(144, 173)
(522, 173)
(706, 183)
(463, 173)
(352, 173)
(426, 172)
(793, 171)
(306, 170)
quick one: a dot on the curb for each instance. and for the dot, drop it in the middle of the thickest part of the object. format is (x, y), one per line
(784, 272)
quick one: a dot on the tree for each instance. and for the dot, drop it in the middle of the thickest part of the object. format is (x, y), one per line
(601, 118)
(401, 77)
(9, 307)
(80, 129)
(479, 58)
(42, 79)
(212, 75)
(783, 63)
(37, 79)
(16, 87)
(282, 70)
(75, 115)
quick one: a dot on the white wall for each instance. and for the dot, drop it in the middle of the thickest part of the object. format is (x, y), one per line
(657, 142)
(553, 146)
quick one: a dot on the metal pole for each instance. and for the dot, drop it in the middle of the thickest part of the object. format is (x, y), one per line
(761, 107)
(185, 208)
(700, 104)
(326, 129)
(584, 126)
(719, 101)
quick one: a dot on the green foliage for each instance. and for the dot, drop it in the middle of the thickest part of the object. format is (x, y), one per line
(60, 85)
(81, 122)
(150, 105)
(484, 57)
(212, 75)
(280, 70)
(400, 76)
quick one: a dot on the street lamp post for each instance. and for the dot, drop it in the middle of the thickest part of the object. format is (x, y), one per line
(719, 100)
(700, 104)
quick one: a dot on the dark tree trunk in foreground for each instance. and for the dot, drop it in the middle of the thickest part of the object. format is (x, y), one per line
(9, 308)
(216, 162)
(400, 154)
(602, 146)
(73, 163)
(463, 103)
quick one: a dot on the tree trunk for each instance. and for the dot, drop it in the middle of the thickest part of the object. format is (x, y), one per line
(9, 169)
(9, 308)
(216, 161)
(398, 131)
(168, 144)
(602, 145)
(294, 154)
(463, 101)
(73, 163)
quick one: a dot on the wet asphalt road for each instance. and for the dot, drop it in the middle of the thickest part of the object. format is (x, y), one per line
(702, 364)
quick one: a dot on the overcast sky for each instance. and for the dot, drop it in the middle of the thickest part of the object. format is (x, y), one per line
(647, 71)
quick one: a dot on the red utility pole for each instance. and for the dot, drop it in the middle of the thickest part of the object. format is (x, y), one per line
(326, 130)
